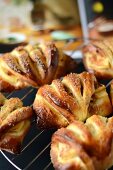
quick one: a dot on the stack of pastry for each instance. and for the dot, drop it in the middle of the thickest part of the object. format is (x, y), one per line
(14, 123)
(33, 66)
(26, 66)
(66, 104)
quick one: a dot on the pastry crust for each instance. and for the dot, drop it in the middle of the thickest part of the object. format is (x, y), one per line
(14, 123)
(75, 97)
(98, 58)
(33, 66)
(86, 146)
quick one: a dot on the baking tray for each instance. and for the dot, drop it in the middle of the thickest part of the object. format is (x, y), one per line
(35, 152)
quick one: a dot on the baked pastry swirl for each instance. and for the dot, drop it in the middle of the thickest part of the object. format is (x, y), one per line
(75, 97)
(98, 58)
(33, 66)
(82, 146)
(14, 123)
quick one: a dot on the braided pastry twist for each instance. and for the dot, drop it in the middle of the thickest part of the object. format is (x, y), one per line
(75, 97)
(33, 66)
(98, 58)
(14, 123)
(82, 146)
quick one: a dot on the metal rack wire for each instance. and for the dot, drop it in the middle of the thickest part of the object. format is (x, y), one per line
(36, 147)
(35, 153)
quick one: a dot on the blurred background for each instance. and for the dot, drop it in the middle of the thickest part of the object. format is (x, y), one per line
(46, 13)
(50, 13)
(42, 19)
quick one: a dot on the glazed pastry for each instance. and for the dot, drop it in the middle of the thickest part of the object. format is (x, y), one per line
(14, 123)
(98, 58)
(84, 146)
(33, 66)
(75, 97)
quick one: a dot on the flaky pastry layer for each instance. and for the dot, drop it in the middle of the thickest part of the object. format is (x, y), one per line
(98, 58)
(75, 97)
(33, 66)
(86, 146)
(14, 123)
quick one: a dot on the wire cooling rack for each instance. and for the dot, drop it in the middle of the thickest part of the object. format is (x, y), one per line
(36, 146)
(35, 153)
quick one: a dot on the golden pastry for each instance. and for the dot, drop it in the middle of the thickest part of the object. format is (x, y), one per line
(33, 66)
(84, 146)
(98, 58)
(14, 123)
(75, 97)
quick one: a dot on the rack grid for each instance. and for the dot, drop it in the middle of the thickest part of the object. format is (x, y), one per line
(35, 153)
(36, 145)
